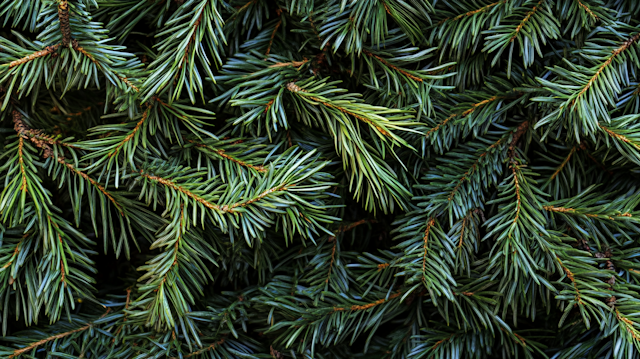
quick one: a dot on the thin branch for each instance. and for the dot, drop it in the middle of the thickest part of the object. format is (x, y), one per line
(368, 305)
(472, 169)
(128, 138)
(333, 256)
(15, 253)
(573, 281)
(515, 168)
(473, 12)
(526, 18)
(386, 63)
(80, 49)
(287, 64)
(615, 53)
(93, 182)
(63, 16)
(564, 163)
(46, 340)
(619, 136)
(467, 112)
(587, 9)
(425, 239)
(224, 208)
(47, 51)
(298, 90)
(273, 34)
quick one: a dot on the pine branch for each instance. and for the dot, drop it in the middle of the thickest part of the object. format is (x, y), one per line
(63, 16)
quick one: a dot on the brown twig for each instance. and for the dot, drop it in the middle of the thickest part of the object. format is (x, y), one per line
(368, 305)
(564, 163)
(386, 63)
(46, 340)
(425, 239)
(273, 34)
(291, 86)
(615, 53)
(526, 18)
(225, 208)
(47, 51)
(63, 16)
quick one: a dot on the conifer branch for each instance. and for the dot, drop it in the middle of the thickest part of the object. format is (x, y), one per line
(465, 113)
(47, 51)
(46, 340)
(93, 182)
(356, 307)
(239, 162)
(63, 16)
(571, 277)
(425, 239)
(275, 29)
(618, 136)
(526, 18)
(130, 135)
(587, 9)
(472, 169)
(605, 64)
(227, 208)
(386, 63)
(564, 163)
(292, 87)
(473, 12)
(206, 349)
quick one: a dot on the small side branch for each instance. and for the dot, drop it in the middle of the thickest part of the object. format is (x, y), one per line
(46, 340)
(47, 51)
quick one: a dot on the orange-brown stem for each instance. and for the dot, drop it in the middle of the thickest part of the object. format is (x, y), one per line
(46, 340)
(47, 51)
(386, 63)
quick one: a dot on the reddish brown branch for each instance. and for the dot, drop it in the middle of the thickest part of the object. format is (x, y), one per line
(63, 16)
(47, 51)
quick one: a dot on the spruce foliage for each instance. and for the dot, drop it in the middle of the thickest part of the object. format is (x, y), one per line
(319, 179)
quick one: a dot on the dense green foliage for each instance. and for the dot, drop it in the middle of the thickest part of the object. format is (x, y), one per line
(319, 179)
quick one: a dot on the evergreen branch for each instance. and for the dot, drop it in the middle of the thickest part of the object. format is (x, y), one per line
(526, 18)
(386, 63)
(333, 239)
(357, 307)
(275, 29)
(473, 167)
(47, 51)
(63, 16)
(292, 87)
(618, 136)
(204, 350)
(625, 45)
(227, 208)
(130, 135)
(425, 238)
(629, 325)
(93, 182)
(517, 191)
(32, 346)
(587, 9)
(565, 210)
(472, 12)
(16, 251)
(571, 277)
(76, 46)
(23, 186)
(564, 163)
(239, 162)
(287, 64)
